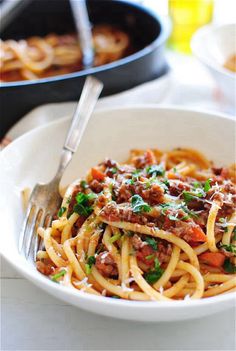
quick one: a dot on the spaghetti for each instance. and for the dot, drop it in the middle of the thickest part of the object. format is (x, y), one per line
(38, 57)
(159, 227)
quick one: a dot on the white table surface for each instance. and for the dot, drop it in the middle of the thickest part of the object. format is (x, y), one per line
(33, 320)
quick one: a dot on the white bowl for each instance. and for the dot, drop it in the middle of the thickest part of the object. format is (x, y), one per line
(213, 45)
(34, 157)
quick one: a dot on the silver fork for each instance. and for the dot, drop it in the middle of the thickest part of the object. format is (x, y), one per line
(45, 199)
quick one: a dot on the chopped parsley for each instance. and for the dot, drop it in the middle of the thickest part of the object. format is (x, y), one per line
(189, 196)
(207, 185)
(169, 205)
(166, 182)
(61, 211)
(136, 174)
(155, 170)
(175, 207)
(229, 267)
(153, 275)
(82, 207)
(149, 182)
(114, 170)
(189, 212)
(90, 261)
(199, 191)
(129, 181)
(114, 238)
(68, 200)
(149, 257)
(229, 248)
(152, 242)
(138, 205)
(197, 185)
(173, 218)
(84, 184)
(55, 277)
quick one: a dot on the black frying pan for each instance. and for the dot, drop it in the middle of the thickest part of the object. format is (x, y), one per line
(40, 17)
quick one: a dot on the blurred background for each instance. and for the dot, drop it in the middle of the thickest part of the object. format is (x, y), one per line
(189, 15)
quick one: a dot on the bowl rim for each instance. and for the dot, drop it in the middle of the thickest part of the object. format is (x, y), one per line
(48, 285)
(196, 42)
(165, 29)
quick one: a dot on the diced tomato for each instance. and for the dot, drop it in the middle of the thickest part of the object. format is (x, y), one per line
(214, 259)
(98, 175)
(173, 175)
(198, 234)
(149, 155)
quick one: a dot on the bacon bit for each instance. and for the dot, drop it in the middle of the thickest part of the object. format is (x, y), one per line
(98, 175)
(137, 242)
(153, 195)
(109, 163)
(44, 268)
(176, 188)
(101, 200)
(150, 158)
(106, 265)
(146, 159)
(214, 259)
(124, 193)
(221, 172)
(96, 186)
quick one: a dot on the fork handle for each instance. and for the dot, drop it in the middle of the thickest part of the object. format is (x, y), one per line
(88, 99)
(91, 91)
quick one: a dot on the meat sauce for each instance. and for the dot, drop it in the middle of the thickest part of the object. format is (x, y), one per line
(153, 197)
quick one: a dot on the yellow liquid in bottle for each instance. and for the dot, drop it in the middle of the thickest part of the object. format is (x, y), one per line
(187, 16)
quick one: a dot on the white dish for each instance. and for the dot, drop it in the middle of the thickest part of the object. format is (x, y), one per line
(34, 157)
(213, 45)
